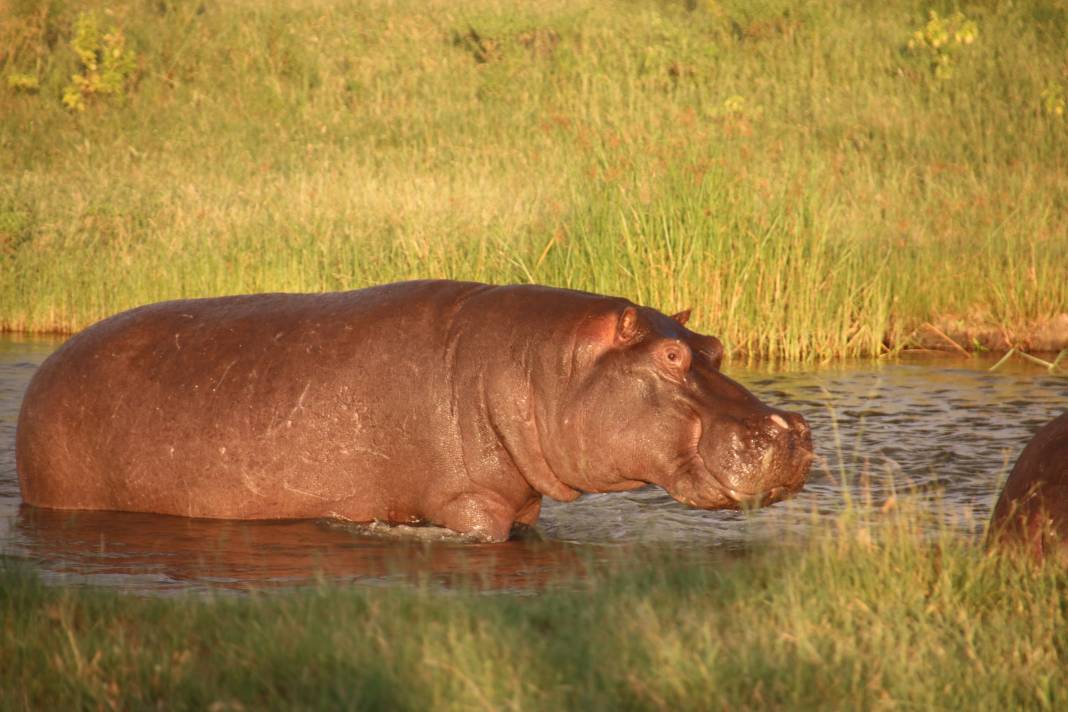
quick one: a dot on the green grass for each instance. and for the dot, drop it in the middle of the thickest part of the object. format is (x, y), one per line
(863, 617)
(791, 170)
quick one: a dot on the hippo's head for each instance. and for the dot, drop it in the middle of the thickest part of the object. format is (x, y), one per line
(646, 402)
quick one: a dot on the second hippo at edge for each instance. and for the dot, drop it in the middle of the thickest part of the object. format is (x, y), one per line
(1032, 511)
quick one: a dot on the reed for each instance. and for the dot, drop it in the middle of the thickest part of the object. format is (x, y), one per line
(810, 184)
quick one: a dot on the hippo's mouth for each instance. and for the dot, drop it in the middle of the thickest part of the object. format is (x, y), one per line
(733, 498)
(738, 499)
(747, 500)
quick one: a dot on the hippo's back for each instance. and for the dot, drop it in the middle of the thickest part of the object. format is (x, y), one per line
(1034, 502)
(271, 405)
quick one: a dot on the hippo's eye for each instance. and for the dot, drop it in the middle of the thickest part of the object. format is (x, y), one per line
(675, 357)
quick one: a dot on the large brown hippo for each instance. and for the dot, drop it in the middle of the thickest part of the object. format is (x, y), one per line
(449, 403)
(1032, 511)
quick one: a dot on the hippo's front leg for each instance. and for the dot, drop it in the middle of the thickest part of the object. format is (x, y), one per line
(482, 515)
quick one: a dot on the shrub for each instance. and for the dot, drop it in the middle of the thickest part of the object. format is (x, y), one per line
(106, 62)
(942, 39)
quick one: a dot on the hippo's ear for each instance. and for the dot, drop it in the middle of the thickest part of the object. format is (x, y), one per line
(627, 326)
(682, 317)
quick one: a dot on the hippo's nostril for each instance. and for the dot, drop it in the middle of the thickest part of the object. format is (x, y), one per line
(797, 423)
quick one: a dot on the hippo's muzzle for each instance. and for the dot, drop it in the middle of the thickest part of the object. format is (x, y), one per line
(748, 463)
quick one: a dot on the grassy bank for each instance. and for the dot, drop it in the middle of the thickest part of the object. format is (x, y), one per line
(795, 171)
(864, 619)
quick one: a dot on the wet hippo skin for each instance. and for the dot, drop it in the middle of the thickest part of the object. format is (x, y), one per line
(449, 403)
(1032, 511)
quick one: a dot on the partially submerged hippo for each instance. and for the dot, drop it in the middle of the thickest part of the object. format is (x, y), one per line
(450, 403)
(1032, 511)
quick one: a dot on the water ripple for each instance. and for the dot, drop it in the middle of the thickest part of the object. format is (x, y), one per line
(938, 425)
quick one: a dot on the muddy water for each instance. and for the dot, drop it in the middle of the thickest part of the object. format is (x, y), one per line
(939, 427)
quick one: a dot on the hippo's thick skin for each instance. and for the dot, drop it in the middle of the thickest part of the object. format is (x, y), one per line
(1032, 512)
(451, 403)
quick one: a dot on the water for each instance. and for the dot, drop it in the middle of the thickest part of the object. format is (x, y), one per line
(939, 427)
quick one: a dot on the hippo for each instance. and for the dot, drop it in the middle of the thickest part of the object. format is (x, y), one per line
(1032, 512)
(431, 402)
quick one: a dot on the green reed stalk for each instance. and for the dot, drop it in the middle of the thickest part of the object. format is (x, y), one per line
(797, 173)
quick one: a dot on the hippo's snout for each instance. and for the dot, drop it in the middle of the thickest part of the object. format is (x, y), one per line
(754, 462)
(792, 454)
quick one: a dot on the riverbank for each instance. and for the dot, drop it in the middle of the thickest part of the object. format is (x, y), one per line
(1049, 336)
(816, 180)
(869, 615)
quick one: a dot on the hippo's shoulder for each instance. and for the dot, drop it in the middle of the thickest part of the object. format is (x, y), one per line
(529, 300)
(1055, 430)
(1046, 455)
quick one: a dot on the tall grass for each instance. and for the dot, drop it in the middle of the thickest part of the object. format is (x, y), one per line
(791, 170)
(871, 614)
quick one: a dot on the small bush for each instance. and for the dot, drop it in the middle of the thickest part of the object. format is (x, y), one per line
(106, 62)
(941, 41)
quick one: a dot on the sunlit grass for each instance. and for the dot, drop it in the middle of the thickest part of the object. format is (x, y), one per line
(875, 609)
(794, 172)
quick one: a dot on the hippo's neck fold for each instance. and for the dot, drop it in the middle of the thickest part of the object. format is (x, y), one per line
(508, 358)
(518, 434)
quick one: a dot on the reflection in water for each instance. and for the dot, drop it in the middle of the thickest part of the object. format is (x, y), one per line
(160, 552)
(939, 425)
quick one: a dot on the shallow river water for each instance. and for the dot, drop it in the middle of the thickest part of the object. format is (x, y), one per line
(943, 428)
